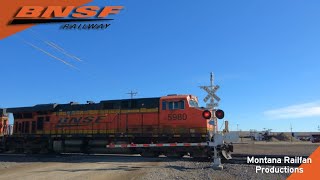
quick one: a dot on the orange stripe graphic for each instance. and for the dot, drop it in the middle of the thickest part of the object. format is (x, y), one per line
(310, 171)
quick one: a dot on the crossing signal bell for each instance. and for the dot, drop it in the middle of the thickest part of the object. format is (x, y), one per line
(206, 114)
(219, 114)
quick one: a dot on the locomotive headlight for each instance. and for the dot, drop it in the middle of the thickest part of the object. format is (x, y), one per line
(219, 114)
(206, 114)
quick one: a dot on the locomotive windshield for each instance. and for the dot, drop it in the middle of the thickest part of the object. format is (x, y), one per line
(193, 103)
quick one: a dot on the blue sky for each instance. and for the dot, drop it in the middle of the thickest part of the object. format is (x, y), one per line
(264, 54)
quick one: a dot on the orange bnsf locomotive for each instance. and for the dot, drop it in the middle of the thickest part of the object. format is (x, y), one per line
(172, 125)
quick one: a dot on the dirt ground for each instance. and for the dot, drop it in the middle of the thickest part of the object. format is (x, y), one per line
(76, 166)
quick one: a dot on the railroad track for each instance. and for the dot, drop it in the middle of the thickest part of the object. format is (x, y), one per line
(236, 158)
(12, 154)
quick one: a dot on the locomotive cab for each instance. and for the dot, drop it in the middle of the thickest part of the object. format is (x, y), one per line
(182, 114)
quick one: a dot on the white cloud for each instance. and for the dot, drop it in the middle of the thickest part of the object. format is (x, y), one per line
(311, 109)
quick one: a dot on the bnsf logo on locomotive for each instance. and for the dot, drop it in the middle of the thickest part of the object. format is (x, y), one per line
(66, 121)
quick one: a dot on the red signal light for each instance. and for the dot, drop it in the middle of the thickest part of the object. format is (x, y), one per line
(206, 114)
(219, 114)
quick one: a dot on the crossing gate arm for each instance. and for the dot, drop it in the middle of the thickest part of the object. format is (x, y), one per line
(156, 145)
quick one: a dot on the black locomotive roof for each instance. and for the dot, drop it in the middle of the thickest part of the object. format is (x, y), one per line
(77, 107)
(2, 111)
(105, 104)
(38, 107)
(131, 103)
(136, 99)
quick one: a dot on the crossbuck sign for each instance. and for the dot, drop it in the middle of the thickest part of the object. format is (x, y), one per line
(211, 90)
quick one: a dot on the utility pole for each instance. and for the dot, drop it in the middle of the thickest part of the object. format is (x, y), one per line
(132, 94)
(291, 131)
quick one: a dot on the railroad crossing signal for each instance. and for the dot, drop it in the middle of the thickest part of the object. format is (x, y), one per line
(206, 114)
(212, 105)
(211, 90)
(219, 114)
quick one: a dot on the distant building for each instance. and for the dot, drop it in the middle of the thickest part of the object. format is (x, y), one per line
(315, 138)
(258, 137)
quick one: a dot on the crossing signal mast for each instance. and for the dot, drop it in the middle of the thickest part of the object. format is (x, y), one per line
(216, 140)
(212, 105)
